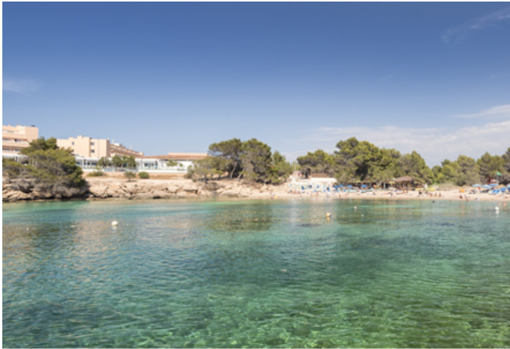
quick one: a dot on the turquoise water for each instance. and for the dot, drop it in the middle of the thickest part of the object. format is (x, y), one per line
(256, 274)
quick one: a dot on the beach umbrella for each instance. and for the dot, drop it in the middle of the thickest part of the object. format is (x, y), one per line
(486, 186)
(493, 185)
(364, 186)
(476, 185)
(349, 186)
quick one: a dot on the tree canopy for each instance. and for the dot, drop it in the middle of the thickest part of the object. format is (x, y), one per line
(47, 164)
(316, 162)
(251, 159)
(123, 161)
(229, 154)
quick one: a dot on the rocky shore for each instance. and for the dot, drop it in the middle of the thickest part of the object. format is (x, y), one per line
(113, 188)
(117, 188)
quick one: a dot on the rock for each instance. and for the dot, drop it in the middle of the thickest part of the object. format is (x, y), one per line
(181, 195)
(143, 196)
(205, 193)
(244, 192)
(190, 188)
(46, 194)
(160, 194)
(99, 190)
(16, 195)
(173, 188)
(232, 193)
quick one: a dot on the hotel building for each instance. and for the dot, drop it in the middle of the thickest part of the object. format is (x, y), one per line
(15, 138)
(88, 151)
(88, 147)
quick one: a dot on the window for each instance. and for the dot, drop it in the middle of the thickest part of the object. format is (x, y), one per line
(91, 143)
(72, 143)
(92, 151)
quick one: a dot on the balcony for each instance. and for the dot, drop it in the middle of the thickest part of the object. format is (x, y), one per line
(14, 144)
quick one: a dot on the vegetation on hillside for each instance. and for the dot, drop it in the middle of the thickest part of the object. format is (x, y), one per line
(353, 161)
(251, 159)
(47, 165)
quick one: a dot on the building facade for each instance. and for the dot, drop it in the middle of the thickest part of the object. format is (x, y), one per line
(96, 148)
(88, 151)
(160, 162)
(15, 138)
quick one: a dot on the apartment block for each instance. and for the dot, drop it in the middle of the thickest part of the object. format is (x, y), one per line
(96, 148)
(15, 138)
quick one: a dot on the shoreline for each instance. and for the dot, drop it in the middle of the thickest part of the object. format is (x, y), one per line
(184, 189)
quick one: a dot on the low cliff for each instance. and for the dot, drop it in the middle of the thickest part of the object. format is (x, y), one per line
(17, 190)
(104, 188)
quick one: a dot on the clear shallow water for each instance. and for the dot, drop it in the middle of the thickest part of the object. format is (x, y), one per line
(256, 274)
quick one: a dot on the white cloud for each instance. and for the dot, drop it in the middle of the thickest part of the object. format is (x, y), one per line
(459, 32)
(434, 144)
(495, 112)
(20, 85)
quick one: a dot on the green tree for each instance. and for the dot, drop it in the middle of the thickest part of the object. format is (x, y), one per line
(438, 175)
(316, 162)
(13, 169)
(449, 172)
(384, 166)
(256, 161)
(230, 153)
(468, 171)
(117, 161)
(171, 163)
(490, 165)
(280, 168)
(365, 162)
(506, 167)
(129, 175)
(104, 162)
(414, 165)
(128, 161)
(47, 164)
(205, 168)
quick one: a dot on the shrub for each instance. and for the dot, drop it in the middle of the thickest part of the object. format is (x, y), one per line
(143, 175)
(129, 175)
(96, 174)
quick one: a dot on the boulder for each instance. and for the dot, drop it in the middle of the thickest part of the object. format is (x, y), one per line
(16, 195)
(244, 192)
(173, 188)
(99, 190)
(190, 188)
(160, 194)
(143, 196)
(232, 193)
(181, 195)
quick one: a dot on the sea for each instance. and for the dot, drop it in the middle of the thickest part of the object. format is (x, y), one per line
(256, 274)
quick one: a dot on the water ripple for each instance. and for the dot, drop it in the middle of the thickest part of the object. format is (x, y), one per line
(255, 274)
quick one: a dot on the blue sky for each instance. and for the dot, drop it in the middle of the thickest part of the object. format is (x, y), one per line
(176, 77)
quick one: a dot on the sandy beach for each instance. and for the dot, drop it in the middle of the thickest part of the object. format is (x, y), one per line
(450, 195)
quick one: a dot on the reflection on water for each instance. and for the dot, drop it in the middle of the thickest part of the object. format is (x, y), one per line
(256, 274)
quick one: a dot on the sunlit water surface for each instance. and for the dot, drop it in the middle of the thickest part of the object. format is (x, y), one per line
(256, 274)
